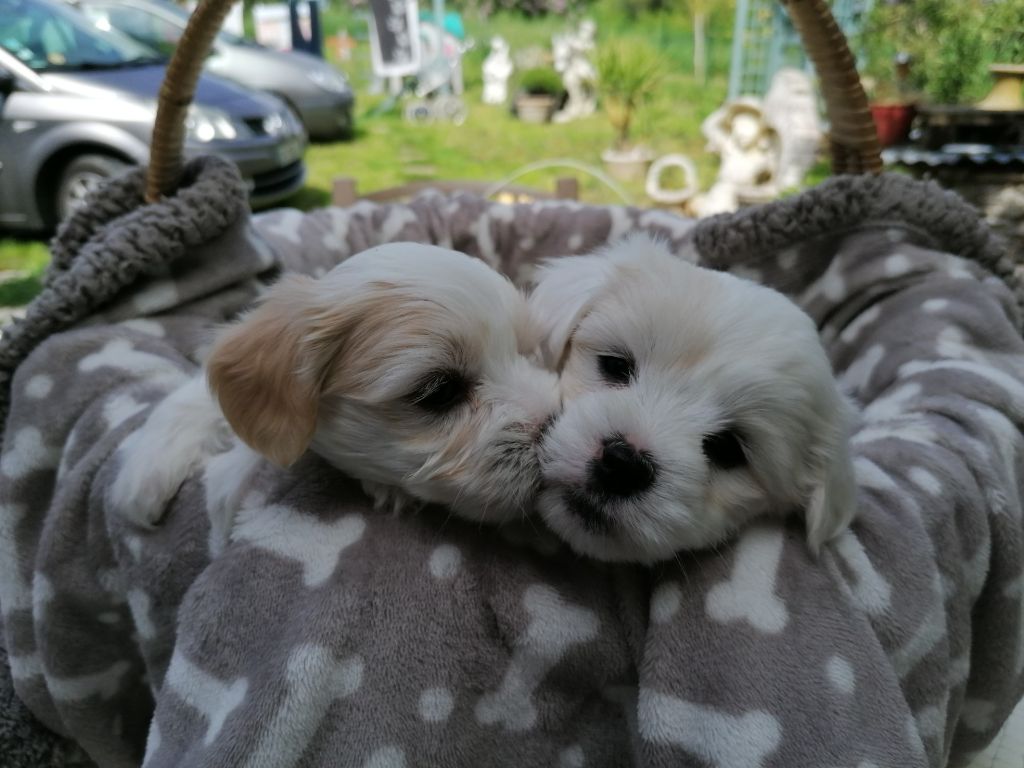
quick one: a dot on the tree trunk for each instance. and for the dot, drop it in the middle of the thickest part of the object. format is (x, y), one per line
(700, 61)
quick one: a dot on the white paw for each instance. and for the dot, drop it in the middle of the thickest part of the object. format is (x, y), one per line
(147, 479)
(184, 430)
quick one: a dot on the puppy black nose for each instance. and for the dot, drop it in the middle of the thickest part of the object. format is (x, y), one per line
(621, 470)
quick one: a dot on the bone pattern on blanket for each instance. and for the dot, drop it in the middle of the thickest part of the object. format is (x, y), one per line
(317, 632)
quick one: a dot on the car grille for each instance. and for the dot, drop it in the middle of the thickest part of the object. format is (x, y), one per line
(255, 125)
(277, 180)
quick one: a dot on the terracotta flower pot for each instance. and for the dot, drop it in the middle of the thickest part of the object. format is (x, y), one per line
(893, 121)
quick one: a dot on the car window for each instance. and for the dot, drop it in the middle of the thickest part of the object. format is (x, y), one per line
(148, 28)
(47, 36)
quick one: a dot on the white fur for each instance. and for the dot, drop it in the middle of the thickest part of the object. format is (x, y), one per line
(183, 428)
(431, 309)
(711, 351)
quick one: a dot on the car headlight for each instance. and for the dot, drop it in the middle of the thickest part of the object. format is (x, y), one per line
(282, 122)
(329, 79)
(206, 124)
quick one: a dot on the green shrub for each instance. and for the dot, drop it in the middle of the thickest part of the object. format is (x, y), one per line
(950, 44)
(541, 81)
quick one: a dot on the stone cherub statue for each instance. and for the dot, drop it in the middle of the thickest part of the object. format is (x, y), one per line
(748, 146)
(791, 108)
(497, 71)
(571, 58)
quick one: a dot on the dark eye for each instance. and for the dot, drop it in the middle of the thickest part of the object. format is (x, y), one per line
(442, 391)
(725, 449)
(616, 369)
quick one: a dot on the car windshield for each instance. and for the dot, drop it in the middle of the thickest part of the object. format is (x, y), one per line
(49, 36)
(153, 23)
(223, 35)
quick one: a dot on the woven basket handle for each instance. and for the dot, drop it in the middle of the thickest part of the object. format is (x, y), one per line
(854, 142)
(853, 136)
(167, 149)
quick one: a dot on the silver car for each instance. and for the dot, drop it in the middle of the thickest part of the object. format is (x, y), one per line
(77, 105)
(318, 93)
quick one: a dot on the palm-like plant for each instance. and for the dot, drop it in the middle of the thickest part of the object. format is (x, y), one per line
(628, 72)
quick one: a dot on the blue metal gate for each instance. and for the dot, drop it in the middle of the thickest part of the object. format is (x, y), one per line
(764, 41)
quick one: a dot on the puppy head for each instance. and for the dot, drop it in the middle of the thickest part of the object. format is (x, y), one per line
(692, 401)
(404, 366)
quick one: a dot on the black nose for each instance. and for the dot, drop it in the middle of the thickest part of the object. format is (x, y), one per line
(621, 470)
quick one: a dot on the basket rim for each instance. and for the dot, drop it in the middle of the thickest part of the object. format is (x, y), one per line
(853, 139)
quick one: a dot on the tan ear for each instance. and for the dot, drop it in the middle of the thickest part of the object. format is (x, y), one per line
(259, 370)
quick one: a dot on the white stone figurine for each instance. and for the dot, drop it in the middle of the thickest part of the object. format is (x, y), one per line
(572, 61)
(792, 110)
(497, 70)
(749, 149)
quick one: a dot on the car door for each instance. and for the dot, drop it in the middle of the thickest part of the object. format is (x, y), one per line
(20, 125)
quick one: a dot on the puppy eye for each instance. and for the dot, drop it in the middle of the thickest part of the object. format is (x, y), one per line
(725, 449)
(616, 369)
(442, 391)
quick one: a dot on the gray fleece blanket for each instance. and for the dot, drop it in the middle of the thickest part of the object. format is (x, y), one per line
(321, 633)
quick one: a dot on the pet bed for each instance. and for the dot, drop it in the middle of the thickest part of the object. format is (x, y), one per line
(320, 633)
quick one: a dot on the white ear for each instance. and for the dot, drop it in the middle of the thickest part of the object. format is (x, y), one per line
(565, 289)
(833, 500)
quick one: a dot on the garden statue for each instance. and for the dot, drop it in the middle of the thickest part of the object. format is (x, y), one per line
(792, 110)
(497, 70)
(749, 148)
(571, 52)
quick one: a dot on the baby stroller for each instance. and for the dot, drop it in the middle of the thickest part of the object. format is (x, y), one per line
(438, 85)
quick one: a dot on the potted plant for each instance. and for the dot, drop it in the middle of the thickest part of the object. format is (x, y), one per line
(627, 74)
(1006, 33)
(942, 51)
(893, 69)
(892, 105)
(540, 89)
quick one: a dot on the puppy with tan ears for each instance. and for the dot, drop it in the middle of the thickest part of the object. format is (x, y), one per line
(693, 401)
(405, 367)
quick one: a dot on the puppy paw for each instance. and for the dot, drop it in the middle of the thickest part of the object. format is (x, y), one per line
(180, 434)
(389, 499)
(146, 481)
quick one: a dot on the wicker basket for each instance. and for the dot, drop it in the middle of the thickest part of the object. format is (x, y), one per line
(853, 139)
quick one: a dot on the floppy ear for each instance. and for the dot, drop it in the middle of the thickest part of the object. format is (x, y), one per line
(564, 289)
(266, 375)
(833, 500)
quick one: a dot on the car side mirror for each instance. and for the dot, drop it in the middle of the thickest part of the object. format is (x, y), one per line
(8, 82)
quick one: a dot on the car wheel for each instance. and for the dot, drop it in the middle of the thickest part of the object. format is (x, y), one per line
(80, 177)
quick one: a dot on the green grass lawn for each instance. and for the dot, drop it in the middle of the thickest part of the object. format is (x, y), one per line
(492, 144)
(21, 265)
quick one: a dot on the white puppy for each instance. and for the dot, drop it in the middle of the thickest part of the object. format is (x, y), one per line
(692, 401)
(405, 367)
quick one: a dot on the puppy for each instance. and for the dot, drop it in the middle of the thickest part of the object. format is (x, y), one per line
(692, 401)
(404, 367)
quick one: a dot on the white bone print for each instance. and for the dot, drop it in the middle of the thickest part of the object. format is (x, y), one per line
(555, 626)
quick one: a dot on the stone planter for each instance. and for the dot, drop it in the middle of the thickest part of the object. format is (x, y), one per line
(1006, 93)
(628, 164)
(532, 108)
